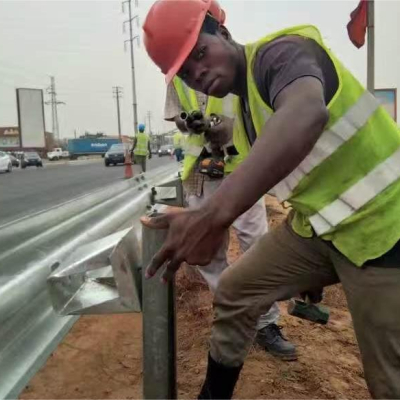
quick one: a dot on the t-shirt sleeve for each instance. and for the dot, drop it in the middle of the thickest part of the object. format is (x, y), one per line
(172, 106)
(281, 62)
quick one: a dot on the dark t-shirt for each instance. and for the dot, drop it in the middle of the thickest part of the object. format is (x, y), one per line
(282, 61)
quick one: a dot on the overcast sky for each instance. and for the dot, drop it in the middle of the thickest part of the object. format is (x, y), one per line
(81, 43)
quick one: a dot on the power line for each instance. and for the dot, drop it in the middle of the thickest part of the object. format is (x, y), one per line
(149, 116)
(117, 91)
(130, 40)
(51, 90)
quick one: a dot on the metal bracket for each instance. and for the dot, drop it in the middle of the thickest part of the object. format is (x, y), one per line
(102, 277)
(170, 194)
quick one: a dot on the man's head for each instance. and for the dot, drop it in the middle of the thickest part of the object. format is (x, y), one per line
(141, 128)
(186, 37)
(211, 66)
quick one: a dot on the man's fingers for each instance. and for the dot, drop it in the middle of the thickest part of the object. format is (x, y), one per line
(156, 263)
(170, 270)
(160, 222)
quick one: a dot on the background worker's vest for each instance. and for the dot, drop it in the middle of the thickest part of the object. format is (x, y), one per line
(195, 143)
(348, 187)
(178, 140)
(142, 145)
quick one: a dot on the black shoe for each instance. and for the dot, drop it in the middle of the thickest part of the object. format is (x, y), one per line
(220, 381)
(272, 340)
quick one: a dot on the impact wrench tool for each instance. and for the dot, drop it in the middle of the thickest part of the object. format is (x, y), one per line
(210, 162)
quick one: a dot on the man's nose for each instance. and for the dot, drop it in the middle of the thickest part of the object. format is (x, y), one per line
(200, 74)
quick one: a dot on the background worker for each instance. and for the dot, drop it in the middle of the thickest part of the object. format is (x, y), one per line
(328, 148)
(141, 147)
(179, 140)
(198, 187)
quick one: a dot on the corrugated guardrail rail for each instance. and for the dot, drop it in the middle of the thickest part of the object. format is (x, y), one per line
(29, 328)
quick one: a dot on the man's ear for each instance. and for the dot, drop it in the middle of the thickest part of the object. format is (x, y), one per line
(225, 33)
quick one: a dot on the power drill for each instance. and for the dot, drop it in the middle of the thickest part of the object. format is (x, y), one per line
(211, 163)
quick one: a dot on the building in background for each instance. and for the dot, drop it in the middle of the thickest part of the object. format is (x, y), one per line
(10, 140)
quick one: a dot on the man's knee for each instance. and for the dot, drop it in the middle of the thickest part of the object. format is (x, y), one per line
(229, 287)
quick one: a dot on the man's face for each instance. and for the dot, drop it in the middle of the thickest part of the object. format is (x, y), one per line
(211, 66)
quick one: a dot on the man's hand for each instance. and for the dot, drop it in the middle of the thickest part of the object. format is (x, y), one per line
(220, 134)
(193, 237)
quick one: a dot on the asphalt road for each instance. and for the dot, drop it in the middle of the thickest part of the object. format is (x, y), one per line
(24, 192)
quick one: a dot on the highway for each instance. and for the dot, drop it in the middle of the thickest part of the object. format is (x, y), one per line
(24, 192)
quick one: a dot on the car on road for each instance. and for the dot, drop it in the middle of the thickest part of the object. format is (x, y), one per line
(165, 150)
(5, 162)
(14, 161)
(57, 154)
(31, 158)
(116, 154)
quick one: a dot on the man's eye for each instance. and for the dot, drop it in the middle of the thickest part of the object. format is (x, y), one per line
(183, 75)
(201, 53)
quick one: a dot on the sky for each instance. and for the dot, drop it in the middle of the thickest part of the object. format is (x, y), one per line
(81, 44)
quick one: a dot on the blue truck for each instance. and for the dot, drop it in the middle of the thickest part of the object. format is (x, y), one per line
(89, 146)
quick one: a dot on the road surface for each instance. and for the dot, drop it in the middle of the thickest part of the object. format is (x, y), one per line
(24, 192)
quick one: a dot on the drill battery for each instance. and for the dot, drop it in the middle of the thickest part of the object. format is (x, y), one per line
(214, 168)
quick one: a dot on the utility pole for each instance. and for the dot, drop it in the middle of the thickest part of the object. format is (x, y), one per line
(371, 47)
(51, 90)
(117, 90)
(130, 40)
(149, 118)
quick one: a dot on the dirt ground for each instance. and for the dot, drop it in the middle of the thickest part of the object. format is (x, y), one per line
(101, 358)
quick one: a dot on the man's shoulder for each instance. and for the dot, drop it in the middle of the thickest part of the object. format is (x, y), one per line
(280, 44)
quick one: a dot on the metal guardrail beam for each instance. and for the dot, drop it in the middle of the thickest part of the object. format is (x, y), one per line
(29, 328)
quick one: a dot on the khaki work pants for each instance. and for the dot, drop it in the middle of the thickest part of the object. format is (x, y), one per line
(142, 161)
(281, 265)
(249, 227)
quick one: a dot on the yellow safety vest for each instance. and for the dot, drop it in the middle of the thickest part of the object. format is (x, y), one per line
(178, 140)
(347, 190)
(195, 143)
(142, 145)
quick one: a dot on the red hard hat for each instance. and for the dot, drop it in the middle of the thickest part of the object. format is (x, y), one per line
(171, 30)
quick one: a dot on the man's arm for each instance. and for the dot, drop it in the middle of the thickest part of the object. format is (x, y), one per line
(288, 136)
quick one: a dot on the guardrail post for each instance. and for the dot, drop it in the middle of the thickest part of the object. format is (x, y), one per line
(159, 333)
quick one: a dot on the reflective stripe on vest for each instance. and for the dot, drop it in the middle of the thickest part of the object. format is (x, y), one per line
(142, 145)
(193, 150)
(358, 195)
(331, 139)
(348, 187)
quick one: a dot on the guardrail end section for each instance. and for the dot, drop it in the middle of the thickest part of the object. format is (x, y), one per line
(101, 277)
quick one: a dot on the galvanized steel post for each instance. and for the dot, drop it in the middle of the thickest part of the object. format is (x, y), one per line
(159, 333)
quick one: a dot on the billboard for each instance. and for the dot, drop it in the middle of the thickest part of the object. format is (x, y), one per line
(388, 99)
(31, 118)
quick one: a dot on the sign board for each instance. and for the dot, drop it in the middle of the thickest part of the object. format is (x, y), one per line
(12, 141)
(388, 99)
(31, 118)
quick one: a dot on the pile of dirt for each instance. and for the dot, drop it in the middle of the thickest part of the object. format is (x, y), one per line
(102, 355)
